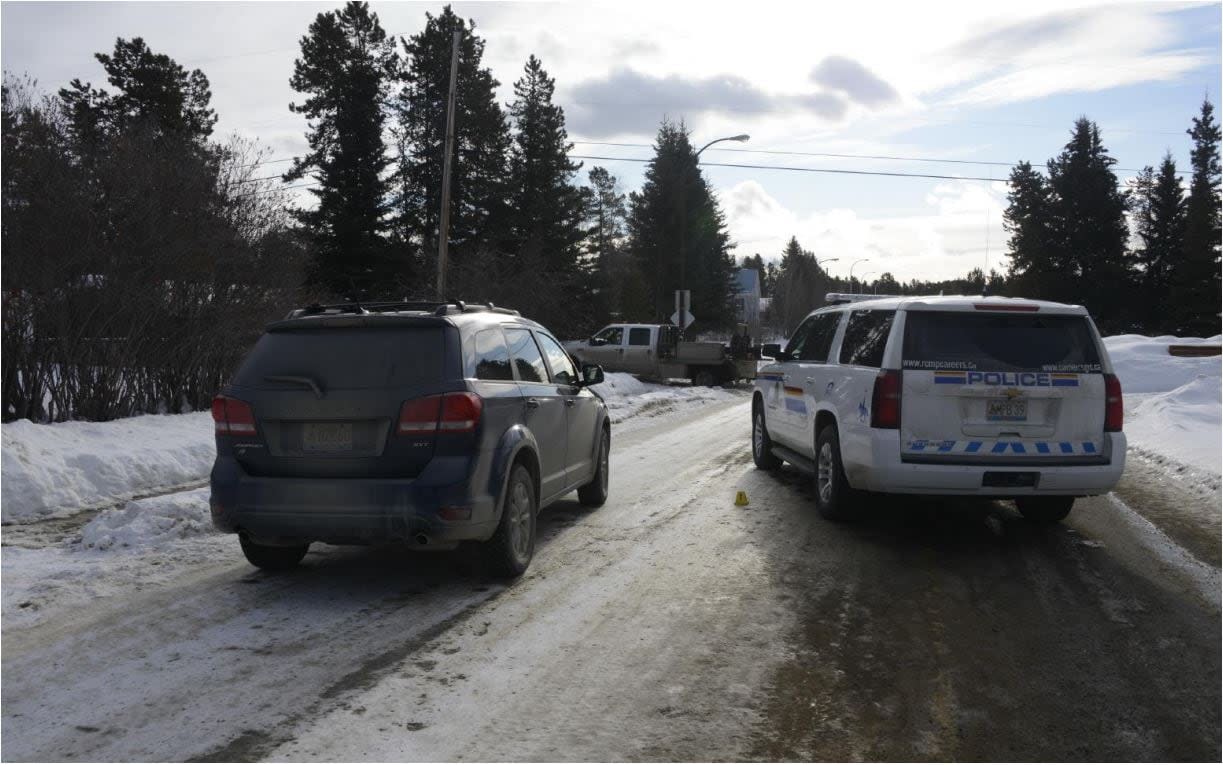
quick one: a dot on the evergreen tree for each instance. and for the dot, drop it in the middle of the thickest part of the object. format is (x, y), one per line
(675, 212)
(1195, 281)
(154, 93)
(346, 65)
(1158, 208)
(799, 289)
(622, 292)
(545, 222)
(479, 190)
(1089, 231)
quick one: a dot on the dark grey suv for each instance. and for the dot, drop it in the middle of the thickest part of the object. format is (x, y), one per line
(429, 424)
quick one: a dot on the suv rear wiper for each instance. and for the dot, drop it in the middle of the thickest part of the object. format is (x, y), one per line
(309, 382)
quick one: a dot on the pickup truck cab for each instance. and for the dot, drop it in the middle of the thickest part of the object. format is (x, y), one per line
(979, 396)
(657, 352)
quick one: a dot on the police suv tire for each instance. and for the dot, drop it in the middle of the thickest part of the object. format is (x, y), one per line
(1045, 510)
(762, 445)
(513, 543)
(834, 498)
(272, 558)
(594, 494)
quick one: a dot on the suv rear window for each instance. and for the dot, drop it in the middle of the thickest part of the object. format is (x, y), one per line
(999, 343)
(347, 357)
(866, 336)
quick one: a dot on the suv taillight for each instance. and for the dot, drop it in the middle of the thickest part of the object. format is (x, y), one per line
(885, 401)
(232, 417)
(1114, 410)
(450, 412)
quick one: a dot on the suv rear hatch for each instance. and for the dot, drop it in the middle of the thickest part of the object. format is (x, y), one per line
(1006, 385)
(327, 395)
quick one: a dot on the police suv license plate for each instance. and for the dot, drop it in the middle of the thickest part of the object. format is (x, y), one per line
(327, 437)
(1006, 410)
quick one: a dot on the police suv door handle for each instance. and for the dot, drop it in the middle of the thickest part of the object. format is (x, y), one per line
(532, 403)
(570, 401)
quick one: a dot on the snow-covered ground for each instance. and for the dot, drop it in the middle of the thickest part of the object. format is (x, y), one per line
(1172, 403)
(627, 397)
(61, 469)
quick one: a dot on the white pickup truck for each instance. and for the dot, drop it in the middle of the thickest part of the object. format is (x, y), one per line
(655, 351)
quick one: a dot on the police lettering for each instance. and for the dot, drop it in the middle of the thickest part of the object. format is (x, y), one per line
(1014, 379)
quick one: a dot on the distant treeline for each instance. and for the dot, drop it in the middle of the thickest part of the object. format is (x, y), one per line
(1142, 258)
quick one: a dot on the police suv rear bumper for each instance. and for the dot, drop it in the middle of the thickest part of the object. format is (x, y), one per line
(885, 470)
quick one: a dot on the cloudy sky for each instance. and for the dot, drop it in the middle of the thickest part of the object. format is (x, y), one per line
(944, 89)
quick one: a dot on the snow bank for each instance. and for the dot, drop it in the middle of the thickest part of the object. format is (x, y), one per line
(154, 522)
(1144, 366)
(59, 469)
(1173, 404)
(627, 397)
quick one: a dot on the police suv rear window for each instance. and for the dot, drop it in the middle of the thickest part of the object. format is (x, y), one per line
(866, 335)
(347, 357)
(999, 343)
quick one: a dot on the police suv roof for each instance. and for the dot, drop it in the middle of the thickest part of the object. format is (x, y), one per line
(841, 301)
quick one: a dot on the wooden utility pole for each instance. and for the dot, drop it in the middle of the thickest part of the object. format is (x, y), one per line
(443, 243)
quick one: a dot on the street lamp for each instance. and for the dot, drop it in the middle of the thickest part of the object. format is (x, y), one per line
(683, 220)
(863, 277)
(851, 272)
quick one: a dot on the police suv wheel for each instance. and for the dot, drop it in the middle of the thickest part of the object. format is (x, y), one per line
(1045, 510)
(834, 498)
(762, 445)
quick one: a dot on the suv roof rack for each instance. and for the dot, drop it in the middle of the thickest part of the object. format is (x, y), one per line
(437, 308)
(837, 298)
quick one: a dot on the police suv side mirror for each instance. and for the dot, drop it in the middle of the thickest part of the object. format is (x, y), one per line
(592, 374)
(774, 351)
(597, 341)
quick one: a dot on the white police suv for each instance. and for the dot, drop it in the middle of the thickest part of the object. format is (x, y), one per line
(983, 396)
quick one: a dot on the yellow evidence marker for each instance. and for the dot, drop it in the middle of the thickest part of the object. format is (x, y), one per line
(741, 499)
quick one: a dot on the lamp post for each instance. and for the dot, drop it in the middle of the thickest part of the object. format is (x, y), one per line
(851, 272)
(683, 220)
(863, 278)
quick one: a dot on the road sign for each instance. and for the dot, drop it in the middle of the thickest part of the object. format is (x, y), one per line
(683, 301)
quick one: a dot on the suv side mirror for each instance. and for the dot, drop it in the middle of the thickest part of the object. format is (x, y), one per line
(774, 351)
(597, 341)
(592, 374)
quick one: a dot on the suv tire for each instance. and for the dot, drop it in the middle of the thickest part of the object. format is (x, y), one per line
(704, 378)
(1044, 510)
(834, 498)
(272, 558)
(594, 494)
(513, 543)
(762, 445)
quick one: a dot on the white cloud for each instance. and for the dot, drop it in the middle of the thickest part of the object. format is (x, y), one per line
(948, 233)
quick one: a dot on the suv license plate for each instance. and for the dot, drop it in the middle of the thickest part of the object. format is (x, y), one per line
(1006, 410)
(327, 437)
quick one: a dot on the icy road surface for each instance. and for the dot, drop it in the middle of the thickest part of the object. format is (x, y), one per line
(667, 625)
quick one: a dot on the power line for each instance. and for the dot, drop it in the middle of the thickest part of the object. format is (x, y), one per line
(807, 169)
(889, 157)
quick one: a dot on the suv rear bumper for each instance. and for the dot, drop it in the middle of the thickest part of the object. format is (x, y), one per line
(350, 510)
(884, 471)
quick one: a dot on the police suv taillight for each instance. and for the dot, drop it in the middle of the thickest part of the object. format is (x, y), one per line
(1114, 409)
(885, 400)
(232, 417)
(449, 413)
